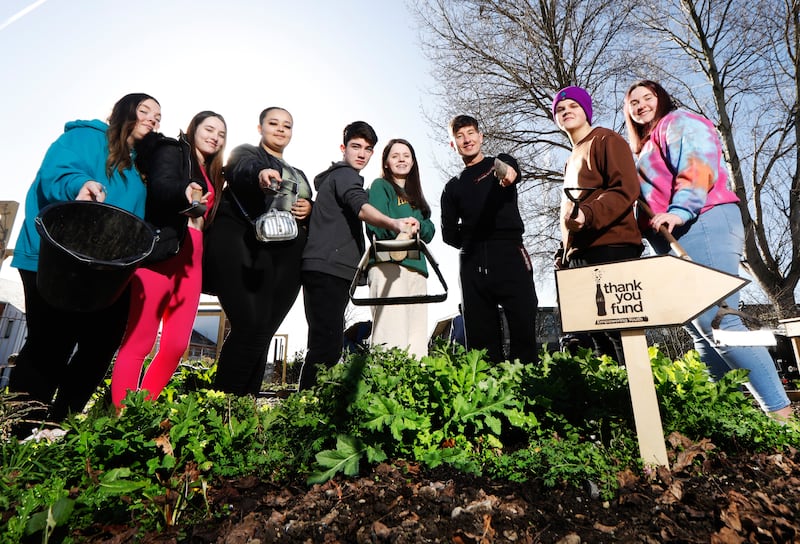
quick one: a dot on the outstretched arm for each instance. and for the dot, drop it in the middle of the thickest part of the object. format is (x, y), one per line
(370, 214)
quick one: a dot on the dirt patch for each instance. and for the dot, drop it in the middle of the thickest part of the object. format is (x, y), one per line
(704, 498)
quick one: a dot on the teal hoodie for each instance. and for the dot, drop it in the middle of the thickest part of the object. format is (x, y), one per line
(77, 156)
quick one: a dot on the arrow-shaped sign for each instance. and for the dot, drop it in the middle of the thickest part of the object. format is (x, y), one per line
(638, 294)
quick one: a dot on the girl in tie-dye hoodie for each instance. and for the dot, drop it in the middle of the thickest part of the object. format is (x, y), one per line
(684, 179)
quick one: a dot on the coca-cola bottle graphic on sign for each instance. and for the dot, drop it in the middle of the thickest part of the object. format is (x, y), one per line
(599, 297)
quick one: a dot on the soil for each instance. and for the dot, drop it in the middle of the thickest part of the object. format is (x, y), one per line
(705, 496)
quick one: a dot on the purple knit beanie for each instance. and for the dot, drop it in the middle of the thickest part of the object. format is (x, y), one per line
(578, 95)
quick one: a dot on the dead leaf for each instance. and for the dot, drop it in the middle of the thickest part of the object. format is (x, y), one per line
(673, 494)
(726, 535)
(163, 443)
(380, 530)
(607, 529)
(488, 531)
(730, 517)
(626, 479)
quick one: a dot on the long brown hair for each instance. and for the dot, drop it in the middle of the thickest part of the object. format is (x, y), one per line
(413, 188)
(120, 125)
(213, 168)
(638, 134)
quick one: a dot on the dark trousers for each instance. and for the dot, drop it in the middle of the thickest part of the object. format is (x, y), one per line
(256, 283)
(496, 274)
(66, 354)
(604, 342)
(325, 298)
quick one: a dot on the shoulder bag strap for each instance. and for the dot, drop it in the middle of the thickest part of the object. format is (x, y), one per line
(239, 204)
(295, 186)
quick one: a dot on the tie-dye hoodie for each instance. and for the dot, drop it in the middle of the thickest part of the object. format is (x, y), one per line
(681, 167)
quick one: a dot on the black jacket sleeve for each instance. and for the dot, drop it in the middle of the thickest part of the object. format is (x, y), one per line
(451, 227)
(241, 173)
(165, 165)
(168, 179)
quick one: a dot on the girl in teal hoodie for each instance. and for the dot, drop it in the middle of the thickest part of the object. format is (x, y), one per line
(67, 353)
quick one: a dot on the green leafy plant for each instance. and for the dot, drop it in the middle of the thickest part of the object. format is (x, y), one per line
(719, 410)
(158, 456)
(443, 408)
(564, 421)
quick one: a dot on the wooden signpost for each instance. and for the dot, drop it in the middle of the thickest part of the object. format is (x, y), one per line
(8, 212)
(631, 296)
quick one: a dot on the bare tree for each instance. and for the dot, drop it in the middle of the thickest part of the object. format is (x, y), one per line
(747, 79)
(502, 60)
(735, 61)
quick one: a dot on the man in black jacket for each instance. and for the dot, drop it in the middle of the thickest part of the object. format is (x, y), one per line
(335, 245)
(481, 218)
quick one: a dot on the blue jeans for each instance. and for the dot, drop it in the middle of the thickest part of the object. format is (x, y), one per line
(716, 239)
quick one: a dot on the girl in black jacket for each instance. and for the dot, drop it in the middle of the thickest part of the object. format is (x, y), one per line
(256, 282)
(177, 173)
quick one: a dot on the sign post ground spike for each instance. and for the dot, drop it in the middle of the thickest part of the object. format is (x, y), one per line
(646, 415)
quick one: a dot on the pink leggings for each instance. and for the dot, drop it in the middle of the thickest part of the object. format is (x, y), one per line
(168, 291)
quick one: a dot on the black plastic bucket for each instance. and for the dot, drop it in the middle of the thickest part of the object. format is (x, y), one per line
(88, 253)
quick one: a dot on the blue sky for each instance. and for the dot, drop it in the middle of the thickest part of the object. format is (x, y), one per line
(328, 63)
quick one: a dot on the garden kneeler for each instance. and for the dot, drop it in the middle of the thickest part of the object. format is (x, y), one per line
(381, 251)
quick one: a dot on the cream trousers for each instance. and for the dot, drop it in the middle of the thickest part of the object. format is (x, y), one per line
(403, 326)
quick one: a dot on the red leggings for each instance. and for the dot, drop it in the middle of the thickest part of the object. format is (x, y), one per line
(168, 291)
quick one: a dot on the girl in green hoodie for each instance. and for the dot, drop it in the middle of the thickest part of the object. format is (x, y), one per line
(398, 193)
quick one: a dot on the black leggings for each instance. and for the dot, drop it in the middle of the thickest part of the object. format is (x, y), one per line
(256, 283)
(66, 354)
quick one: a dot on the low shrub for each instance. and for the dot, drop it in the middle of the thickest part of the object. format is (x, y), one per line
(564, 421)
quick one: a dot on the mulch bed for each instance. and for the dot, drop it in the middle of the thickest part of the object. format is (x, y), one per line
(704, 497)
